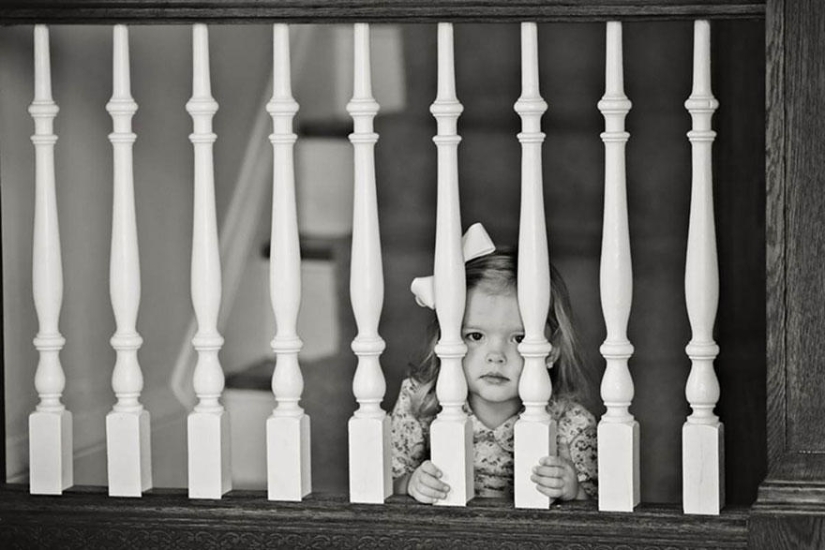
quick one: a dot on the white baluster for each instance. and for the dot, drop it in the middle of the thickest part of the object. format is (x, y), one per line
(50, 425)
(618, 432)
(702, 434)
(127, 425)
(209, 449)
(287, 430)
(535, 430)
(370, 475)
(451, 433)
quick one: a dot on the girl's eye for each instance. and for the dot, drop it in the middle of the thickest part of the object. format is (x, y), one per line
(473, 336)
(518, 338)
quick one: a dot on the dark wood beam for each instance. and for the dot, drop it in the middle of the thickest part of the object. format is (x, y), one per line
(790, 509)
(88, 519)
(258, 11)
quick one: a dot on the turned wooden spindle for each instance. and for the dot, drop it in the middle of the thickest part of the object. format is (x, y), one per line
(703, 433)
(208, 424)
(50, 425)
(370, 474)
(618, 431)
(288, 429)
(128, 448)
(535, 431)
(451, 433)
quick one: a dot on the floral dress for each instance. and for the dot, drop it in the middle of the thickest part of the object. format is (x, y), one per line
(493, 448)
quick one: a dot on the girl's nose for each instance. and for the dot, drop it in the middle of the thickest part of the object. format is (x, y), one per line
(495, 357)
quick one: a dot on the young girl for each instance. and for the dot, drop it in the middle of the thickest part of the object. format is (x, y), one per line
(492, 330)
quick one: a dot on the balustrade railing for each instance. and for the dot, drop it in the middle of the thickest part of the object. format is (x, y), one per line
(288, 428)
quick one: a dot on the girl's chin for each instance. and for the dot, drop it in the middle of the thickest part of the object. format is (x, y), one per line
(498, 394)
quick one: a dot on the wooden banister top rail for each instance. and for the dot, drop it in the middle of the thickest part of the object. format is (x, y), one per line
(236, 11)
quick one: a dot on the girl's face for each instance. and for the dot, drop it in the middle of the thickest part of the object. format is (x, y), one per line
(492, 330)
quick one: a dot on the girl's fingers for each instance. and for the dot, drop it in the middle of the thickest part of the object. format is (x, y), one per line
(548, 482)
(420, 497)
(431, 492)
(433, 483)
(425, 485)
(430, 468)
(549, 471)
(425, 493)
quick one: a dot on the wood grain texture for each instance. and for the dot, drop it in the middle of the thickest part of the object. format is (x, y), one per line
(85, 518)
(787, 532)
(775, 227)
(805, 225)
(104, 11)
(790, 509)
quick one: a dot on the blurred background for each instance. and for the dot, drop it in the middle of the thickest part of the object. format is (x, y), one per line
(658, 58)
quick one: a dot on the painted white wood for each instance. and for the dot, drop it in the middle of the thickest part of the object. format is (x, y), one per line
(535, 431)
(451, 433)
(240, 223)
(50, 425)
(370, 475)
(287, 430)
(618, 431)
(208, 424)
(127, 425)
(703, 433)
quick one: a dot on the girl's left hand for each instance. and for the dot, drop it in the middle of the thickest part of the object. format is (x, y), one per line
(556, 477)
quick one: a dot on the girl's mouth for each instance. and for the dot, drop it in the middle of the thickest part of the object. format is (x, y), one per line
(495, 378)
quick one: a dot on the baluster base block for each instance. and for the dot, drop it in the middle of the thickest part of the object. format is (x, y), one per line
(209, 455)
(370, 469)
(532, 442)
(451, 445)
(128, 453)
(703, 468)
(288, 458)
(619, 480)
(51, 467)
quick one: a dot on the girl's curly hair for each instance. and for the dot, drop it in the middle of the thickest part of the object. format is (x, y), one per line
(496, 274)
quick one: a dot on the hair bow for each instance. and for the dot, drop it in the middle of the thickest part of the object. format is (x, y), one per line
(475, 243)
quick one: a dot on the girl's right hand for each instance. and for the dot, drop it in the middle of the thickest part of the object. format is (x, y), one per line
(424, 484)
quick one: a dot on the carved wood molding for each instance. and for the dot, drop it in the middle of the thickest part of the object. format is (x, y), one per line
(86, 518)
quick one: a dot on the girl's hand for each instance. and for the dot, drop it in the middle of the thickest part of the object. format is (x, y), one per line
(556, 477)
(424, 484)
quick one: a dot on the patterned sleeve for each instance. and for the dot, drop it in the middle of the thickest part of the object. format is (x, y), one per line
(408, 440)
(577, 429)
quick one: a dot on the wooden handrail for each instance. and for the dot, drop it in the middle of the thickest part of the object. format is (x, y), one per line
(228, 11)
(86, 518)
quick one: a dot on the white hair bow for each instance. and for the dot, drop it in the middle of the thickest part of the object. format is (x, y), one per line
(475, 243)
